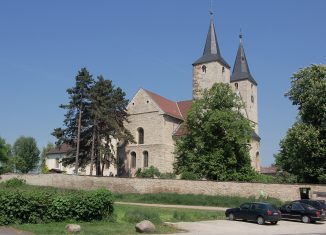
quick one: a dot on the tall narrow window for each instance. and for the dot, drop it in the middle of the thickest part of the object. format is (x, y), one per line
(203, 68)
(140, 135)
(145, 153)
(236, 85)
(133, 160)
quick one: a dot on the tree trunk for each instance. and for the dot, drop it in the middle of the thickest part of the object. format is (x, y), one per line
(78, 140)
(98, 157)
(92, 152)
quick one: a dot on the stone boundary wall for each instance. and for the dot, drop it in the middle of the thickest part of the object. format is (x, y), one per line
(284, 192)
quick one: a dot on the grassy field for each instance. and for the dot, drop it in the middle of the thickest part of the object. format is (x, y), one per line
(124, 220)
(191, 199)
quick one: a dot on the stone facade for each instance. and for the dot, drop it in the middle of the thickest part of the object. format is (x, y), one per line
(284, 192)
(205, 75)
(157, 127)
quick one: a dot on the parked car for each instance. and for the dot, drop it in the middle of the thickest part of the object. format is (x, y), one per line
(300, 211)
(255, 211)
(318, 204)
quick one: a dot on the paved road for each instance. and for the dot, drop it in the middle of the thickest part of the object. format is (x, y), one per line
(225, 227)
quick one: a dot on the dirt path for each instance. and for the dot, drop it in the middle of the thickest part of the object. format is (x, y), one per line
(12, 231)
(207, 208)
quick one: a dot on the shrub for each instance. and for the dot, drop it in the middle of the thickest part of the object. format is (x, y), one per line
(189, 176)
(45, 206)
(167, 175)
(14, 182)
(150, 172)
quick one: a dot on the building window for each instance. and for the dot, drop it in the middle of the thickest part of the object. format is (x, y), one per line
(145, 153)
(236, 85)
(252, 99)
(223, 69)
(140, 135)
(203, 68)
(57, 165)
(133, 160)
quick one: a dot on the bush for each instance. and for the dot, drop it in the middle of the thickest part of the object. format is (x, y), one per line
(44, 206)
(167, 176)
(150, 172)
(189, 176)
(14, 182)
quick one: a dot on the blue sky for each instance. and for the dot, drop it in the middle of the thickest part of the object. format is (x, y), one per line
(149, 44)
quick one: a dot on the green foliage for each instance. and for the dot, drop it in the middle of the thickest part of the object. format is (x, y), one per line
(190, 199)
(104, 113)
(186, 175)
(19, 206)
(5, 156)
(217, 143)
(303, 149)
(284, 177)
(136, 216)
(14, 182)
(45, 150)
(150, 172)
(168, 175)
(26, 154)
(301, 152)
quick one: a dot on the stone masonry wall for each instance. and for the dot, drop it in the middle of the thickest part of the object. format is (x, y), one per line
(139, 185)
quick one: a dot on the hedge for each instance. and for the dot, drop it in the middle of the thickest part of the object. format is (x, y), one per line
(42, 206)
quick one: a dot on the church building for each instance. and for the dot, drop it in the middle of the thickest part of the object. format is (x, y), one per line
(156, 121)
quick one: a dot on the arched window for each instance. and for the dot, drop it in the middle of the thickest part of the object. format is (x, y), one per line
(203, 68)
(140, 135)
(223, 69)
(133, 160)
(145, 153)
(252, 99)
(236, 85)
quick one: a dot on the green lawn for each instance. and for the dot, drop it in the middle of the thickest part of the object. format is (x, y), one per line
(124, 220)
(191, 199)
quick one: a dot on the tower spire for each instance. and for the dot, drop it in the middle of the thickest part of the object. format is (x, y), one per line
(241, 68)
(211, 51)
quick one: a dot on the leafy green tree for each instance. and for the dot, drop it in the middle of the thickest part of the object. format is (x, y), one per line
(103, 112)
(5, 153)
(45, 150)
(108, 111)
(26, 154)
(217, 143)
(77, 123)
(303, 149)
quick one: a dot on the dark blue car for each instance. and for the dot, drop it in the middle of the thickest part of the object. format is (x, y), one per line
(255, 211)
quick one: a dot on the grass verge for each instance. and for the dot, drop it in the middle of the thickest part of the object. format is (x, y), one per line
(124, 220)
(191, 199)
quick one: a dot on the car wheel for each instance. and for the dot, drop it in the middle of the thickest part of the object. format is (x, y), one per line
(274, 222)
(260, 220)
(305, 219)
(231, 216)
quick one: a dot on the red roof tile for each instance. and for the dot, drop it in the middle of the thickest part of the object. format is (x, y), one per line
(184, 107)
(168, 106)
(63, 148)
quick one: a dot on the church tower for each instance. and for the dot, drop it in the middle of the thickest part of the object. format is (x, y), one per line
(246, 87)
(211, 67)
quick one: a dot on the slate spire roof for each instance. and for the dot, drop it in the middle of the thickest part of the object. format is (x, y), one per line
(211, 50)
(241, 68)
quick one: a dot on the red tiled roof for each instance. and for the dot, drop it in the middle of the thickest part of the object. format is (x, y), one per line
(168, 106)
(63, 148)
(268, 170)
(184, 107)
(181, 130)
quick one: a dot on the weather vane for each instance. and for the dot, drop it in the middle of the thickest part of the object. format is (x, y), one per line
(211, 8)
